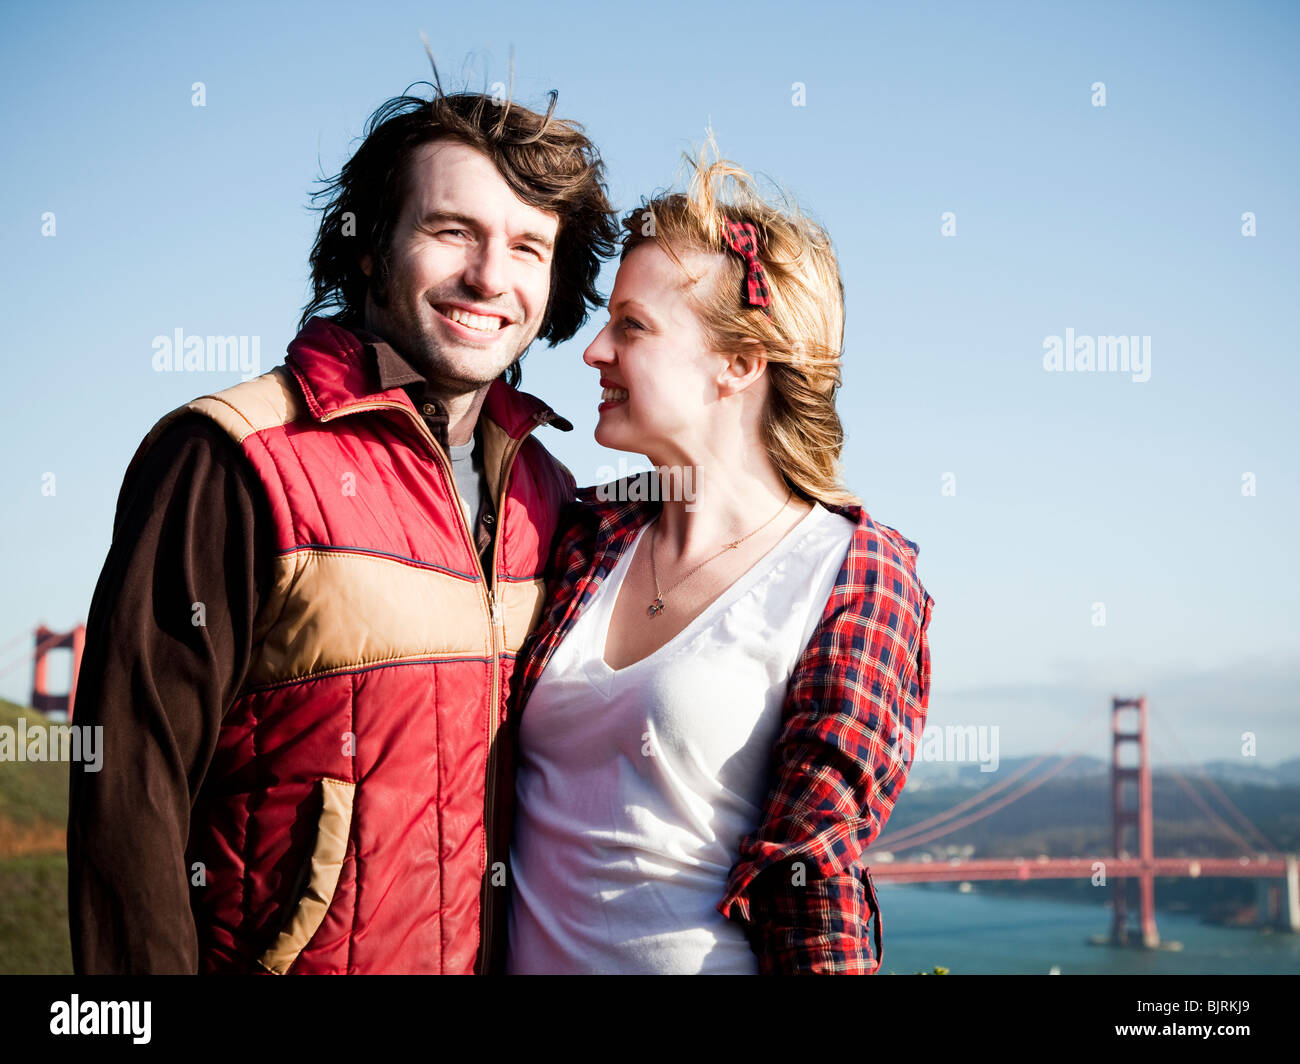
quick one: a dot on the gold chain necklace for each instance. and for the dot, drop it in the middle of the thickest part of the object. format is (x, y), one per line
(657, 606)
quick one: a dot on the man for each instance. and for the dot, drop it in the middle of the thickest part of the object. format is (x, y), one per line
(301, 643)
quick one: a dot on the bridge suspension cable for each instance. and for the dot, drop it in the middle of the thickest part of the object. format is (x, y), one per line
(1214, 788)
(906, 834)
(27, 656)
(939, 833)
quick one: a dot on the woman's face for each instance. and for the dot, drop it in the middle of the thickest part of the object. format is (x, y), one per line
(660, 380)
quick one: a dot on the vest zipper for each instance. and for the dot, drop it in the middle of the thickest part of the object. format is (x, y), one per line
(487, 909)
(497, 625)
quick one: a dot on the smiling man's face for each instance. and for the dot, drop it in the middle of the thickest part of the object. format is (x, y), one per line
(470, 270)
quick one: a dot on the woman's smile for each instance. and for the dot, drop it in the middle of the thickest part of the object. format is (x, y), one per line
(611, 395)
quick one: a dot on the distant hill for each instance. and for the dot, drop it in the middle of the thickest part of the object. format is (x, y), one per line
(929, 774)
(926, 775)
(33, 869)
(1070, 815)
(1285, 774)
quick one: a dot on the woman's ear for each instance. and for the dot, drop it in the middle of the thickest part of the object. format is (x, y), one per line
(367, 264)
(741, 370)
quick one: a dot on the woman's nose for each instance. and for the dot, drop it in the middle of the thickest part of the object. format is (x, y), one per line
(598, 350)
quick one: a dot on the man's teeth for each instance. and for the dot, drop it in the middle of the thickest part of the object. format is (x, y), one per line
(613, 393)
(473, 321)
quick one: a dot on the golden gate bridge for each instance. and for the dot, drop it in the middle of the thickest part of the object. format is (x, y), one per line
(1133, 856)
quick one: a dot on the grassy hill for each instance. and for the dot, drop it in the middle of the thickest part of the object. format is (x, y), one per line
(33, 796)
(33, 868)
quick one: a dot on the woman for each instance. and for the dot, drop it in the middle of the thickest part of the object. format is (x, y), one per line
(720, 700)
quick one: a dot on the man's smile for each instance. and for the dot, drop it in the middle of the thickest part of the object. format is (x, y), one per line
(480, 323)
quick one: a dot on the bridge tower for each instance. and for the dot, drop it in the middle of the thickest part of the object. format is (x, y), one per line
(1278, 903)
(1133, 826)
(47, 640)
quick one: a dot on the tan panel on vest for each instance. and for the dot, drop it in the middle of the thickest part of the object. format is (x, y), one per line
(343, 610)
(242, 409)
(522, 602)
(262, 403)
(326, 866)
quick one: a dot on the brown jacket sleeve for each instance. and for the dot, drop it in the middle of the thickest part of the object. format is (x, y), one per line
(168, 642)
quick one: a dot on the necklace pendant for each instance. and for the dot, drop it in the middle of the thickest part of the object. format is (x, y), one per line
(656, 608)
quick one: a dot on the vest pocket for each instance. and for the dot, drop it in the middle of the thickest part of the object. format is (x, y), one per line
(332, 830)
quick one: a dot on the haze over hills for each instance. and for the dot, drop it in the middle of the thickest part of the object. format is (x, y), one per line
(930, 774)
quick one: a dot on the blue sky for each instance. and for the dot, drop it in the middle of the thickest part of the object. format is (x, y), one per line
(1071, 488)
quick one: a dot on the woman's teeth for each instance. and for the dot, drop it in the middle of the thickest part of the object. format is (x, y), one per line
(480, 322)
(613, 394)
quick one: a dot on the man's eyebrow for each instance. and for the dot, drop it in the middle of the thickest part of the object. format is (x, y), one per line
(450, 216)
(433, 216)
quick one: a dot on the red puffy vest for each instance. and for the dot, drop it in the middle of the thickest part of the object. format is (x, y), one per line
(341, 824)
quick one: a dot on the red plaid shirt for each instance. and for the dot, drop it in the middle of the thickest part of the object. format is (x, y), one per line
(854, 711)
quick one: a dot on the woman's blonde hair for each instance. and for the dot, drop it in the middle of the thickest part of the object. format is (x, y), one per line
(803, 336)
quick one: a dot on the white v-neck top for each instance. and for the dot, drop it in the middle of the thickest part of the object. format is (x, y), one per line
(636, 785)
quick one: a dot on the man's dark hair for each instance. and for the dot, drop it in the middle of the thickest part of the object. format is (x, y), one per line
(548, 162)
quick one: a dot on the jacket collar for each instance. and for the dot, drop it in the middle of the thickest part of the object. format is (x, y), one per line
(339, 369)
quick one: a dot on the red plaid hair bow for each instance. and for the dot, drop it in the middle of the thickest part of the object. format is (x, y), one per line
(742, 238)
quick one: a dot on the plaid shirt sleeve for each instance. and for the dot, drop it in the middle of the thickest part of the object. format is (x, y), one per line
(854, 711)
